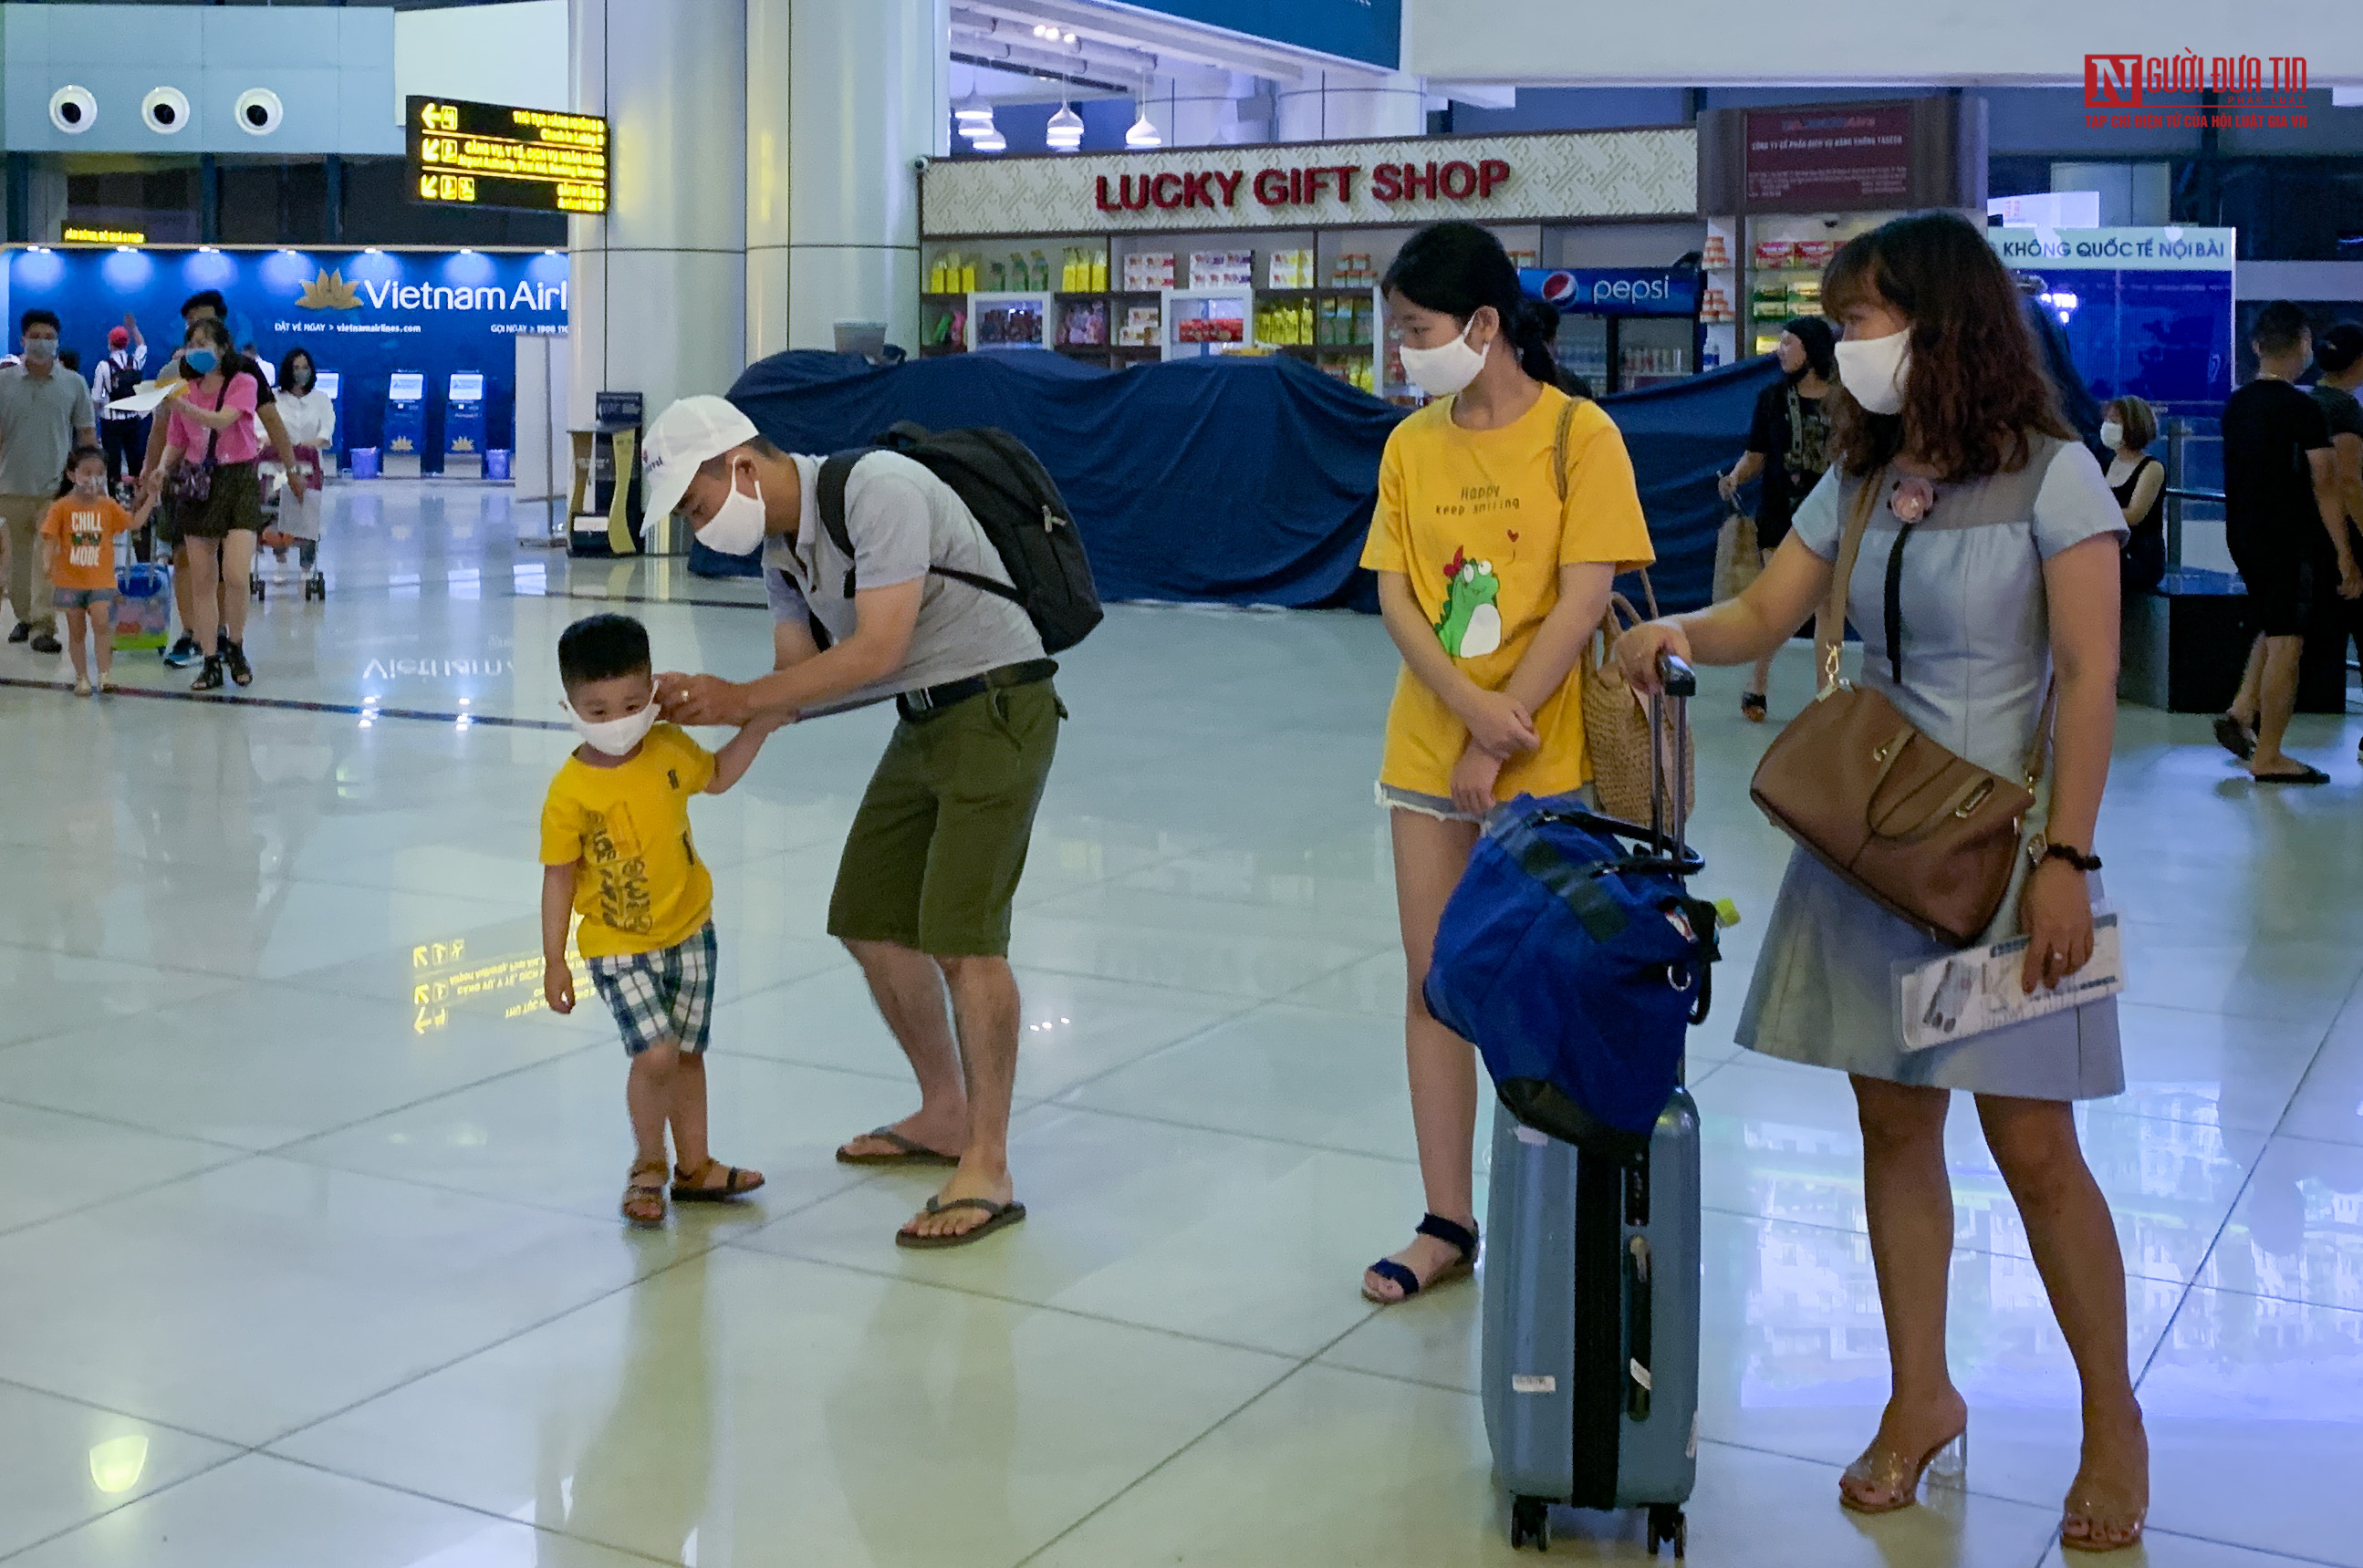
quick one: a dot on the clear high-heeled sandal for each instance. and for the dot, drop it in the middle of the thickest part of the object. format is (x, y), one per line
(1883, 1480)
(2103, 1527)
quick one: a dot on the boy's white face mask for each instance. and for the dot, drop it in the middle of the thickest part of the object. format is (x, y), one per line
(616, 737)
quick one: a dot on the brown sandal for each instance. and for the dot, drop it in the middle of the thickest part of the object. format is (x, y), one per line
(735, 1184)
(644, 1200)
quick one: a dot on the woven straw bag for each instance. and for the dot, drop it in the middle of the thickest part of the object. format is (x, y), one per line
(1738, 559)
(1617, 723)
(1615, 717)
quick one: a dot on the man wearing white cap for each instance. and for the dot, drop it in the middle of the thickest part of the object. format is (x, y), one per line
(932, 863)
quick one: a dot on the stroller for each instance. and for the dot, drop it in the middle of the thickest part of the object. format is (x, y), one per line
(276, 538)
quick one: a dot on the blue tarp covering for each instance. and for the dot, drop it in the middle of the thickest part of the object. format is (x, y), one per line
(1245, 481)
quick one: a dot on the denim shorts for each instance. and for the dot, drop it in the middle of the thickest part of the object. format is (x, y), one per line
(1395, 798)
(79, 598)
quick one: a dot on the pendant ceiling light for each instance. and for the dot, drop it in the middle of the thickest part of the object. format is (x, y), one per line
(975, 117)
(1065, 132)
(1144, 132)
(990, 141)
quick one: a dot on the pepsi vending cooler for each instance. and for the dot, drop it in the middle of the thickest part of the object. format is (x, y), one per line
(405, 424)
(1624, 328)
(463, 425)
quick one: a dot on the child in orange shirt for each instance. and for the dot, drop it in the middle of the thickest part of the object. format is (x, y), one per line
(78, 551)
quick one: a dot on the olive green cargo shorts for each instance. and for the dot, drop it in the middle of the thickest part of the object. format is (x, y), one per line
(939, 846)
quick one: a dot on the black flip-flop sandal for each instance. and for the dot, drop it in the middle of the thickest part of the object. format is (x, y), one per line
(735, 1184)
(998, 1215)
(1460, 1238)
(2304, 775)
(906, 1152)
(2234, 736)
(1753, 707)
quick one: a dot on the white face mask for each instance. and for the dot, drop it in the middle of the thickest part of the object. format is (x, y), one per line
(737, 526)
(2113, 435)
(1874, 370)
(616, 737)
(1441, 372)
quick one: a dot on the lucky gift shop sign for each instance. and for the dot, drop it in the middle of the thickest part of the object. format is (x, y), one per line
(1494, 179)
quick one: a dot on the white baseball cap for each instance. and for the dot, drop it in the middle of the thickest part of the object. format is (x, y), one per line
(689, 433)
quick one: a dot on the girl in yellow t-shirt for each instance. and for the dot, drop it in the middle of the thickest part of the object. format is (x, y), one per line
(1489, 583)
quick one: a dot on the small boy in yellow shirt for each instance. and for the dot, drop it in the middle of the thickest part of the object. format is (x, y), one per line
(615, 848)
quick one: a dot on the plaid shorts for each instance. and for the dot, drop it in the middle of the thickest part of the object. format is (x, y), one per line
(667, 994)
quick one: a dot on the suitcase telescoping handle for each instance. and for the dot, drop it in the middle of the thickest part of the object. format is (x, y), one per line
(1677, 683)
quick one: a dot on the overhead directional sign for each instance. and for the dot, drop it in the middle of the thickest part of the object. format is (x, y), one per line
(489, 155)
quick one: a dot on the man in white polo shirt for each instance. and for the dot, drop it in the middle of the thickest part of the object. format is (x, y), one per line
(932, 863)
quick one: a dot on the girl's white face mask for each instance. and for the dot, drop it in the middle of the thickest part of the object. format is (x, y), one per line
(616, 737)
(1874, 370)
(2113, 435)
(1441, 372)
(737, 526)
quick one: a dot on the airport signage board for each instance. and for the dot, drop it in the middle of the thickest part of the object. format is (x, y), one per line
(495, 155)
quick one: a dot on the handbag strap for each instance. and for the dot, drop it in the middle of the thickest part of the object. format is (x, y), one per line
(213, 436)
(1829, 623)
(1558, 482)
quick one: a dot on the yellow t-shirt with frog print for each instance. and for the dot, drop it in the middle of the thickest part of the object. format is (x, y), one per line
(1472, 518)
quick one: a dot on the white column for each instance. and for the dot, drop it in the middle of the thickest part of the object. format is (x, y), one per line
(1204, 110)
(1333, 106)
(843, 98)
(657, 304)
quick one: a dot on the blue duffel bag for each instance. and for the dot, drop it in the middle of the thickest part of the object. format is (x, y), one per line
(1574, 959)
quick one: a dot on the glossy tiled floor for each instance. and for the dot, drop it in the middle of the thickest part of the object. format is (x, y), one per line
(307, 1252)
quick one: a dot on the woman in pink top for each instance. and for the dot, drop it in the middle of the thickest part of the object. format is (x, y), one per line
(210, 449)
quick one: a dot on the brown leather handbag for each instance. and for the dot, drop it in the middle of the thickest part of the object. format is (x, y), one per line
(1930, 837)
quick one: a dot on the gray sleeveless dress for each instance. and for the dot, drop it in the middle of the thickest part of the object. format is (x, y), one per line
(1977, 660)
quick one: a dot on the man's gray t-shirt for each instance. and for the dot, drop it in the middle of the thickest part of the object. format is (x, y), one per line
(38, 416)
(902, 521)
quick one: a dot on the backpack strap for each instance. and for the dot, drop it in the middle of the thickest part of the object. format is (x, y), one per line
(983, 584)
(834, 471)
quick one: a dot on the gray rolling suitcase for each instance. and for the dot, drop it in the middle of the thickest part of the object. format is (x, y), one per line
(1591, 1307)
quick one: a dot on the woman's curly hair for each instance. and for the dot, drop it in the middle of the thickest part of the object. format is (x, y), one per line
(1977, 390)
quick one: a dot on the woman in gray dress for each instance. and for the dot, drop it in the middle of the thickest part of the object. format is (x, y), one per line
(2007, 582)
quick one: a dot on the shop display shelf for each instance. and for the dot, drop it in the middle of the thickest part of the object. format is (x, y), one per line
(936, 351)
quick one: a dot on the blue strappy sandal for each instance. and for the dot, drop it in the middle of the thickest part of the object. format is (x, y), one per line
(1459, 1237)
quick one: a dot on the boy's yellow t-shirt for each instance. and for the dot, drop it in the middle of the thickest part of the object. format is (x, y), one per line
(642, 887)
(1472, 518)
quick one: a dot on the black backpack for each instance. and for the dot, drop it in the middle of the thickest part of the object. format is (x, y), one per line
(122, 380)
(1018, 505)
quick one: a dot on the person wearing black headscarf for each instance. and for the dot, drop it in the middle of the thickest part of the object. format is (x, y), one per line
(1786, 444)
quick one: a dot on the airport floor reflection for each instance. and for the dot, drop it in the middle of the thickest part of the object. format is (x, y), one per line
(309, 1253)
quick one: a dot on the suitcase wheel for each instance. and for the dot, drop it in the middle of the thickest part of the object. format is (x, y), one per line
(1667, 1523)
(316, 586)
(254, 585)
(1529, 1523)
